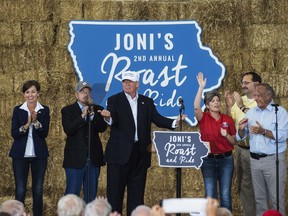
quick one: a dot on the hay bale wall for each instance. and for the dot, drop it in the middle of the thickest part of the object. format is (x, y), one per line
(244, 34)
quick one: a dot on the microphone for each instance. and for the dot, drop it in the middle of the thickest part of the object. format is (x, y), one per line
(275, 105)
(181, 101)
(90, 108)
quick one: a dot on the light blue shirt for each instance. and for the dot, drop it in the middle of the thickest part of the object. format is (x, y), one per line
(259, 143)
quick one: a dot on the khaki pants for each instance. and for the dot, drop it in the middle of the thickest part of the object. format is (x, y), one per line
(245, 185)
(264, 182)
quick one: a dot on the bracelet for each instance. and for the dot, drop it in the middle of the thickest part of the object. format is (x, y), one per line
(36, 124)
(22, 129)
(264, 134)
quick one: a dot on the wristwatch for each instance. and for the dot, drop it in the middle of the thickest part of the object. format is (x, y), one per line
(37, 124)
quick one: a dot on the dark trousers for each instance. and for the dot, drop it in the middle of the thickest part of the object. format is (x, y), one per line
(131, 175)
(21, 170)
(219, 171)
(75, 178)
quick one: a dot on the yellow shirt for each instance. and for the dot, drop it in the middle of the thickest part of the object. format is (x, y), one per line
(237, 114)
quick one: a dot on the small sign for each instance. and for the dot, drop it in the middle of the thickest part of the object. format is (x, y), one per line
(179, 149)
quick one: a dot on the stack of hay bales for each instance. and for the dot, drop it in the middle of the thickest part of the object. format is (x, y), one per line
(244, 34)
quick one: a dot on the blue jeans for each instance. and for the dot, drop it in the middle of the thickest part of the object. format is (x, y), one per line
(21, 170)
(218, 171)
(76, 177)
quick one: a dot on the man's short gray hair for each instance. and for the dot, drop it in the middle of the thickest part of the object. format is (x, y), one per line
(98, 207)
(13, 207)
(142, 210)
(70, 205)
(223, 212)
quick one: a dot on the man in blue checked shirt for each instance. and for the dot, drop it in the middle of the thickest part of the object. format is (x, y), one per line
(260, 124)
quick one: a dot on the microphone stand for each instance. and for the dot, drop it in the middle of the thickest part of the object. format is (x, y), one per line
(178, 170)
(277, 160)
(88, 156)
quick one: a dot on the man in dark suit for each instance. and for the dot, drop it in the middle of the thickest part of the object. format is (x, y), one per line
(127, 153)
(80, 161)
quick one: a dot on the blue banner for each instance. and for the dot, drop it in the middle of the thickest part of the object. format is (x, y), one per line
(167, 55)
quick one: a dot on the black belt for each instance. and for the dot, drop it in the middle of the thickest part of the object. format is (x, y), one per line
(226, 154)
(258, 156)
(244, 147)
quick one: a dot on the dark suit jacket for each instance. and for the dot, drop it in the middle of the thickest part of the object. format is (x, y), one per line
(20, 118)
(76, 129)
(119, 147)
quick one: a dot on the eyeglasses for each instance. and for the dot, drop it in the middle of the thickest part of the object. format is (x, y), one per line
(246, 83)
(85, 92)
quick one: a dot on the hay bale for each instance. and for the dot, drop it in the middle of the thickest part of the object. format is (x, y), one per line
(62, 37)
(60, 62)
(67, 10)
(38, 33)
(32, 10)
(244, 34)
(272, 11)
(105, 10)
(266, 36)
(10, 33)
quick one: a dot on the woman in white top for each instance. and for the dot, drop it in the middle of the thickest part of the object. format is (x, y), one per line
(30, 126)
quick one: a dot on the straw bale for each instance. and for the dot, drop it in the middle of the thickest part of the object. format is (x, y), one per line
(224, 37)
(159, 178)
(62, 37)
(266, 36)
(7, 104)
(281, 60)
(284, 102)
(6, 168)
(56, 130)
(103, 10)
(278, 81)
(39, 75)
(24, 58)
(164, 11)
(60, 60)
(31, 10)
(6, 86)
(38, 33)
(10, 33)
(233, 63)
(272, 11)
(135, 10)
(244, 34)
(168, 10)
(262, 60)
(8, 59)
(216, 13)
(68, 10)
(55, 168)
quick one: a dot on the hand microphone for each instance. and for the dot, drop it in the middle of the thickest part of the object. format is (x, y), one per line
(90, 107)
(181, 101)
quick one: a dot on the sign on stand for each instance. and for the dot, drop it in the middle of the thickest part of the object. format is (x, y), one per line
(179, 149)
